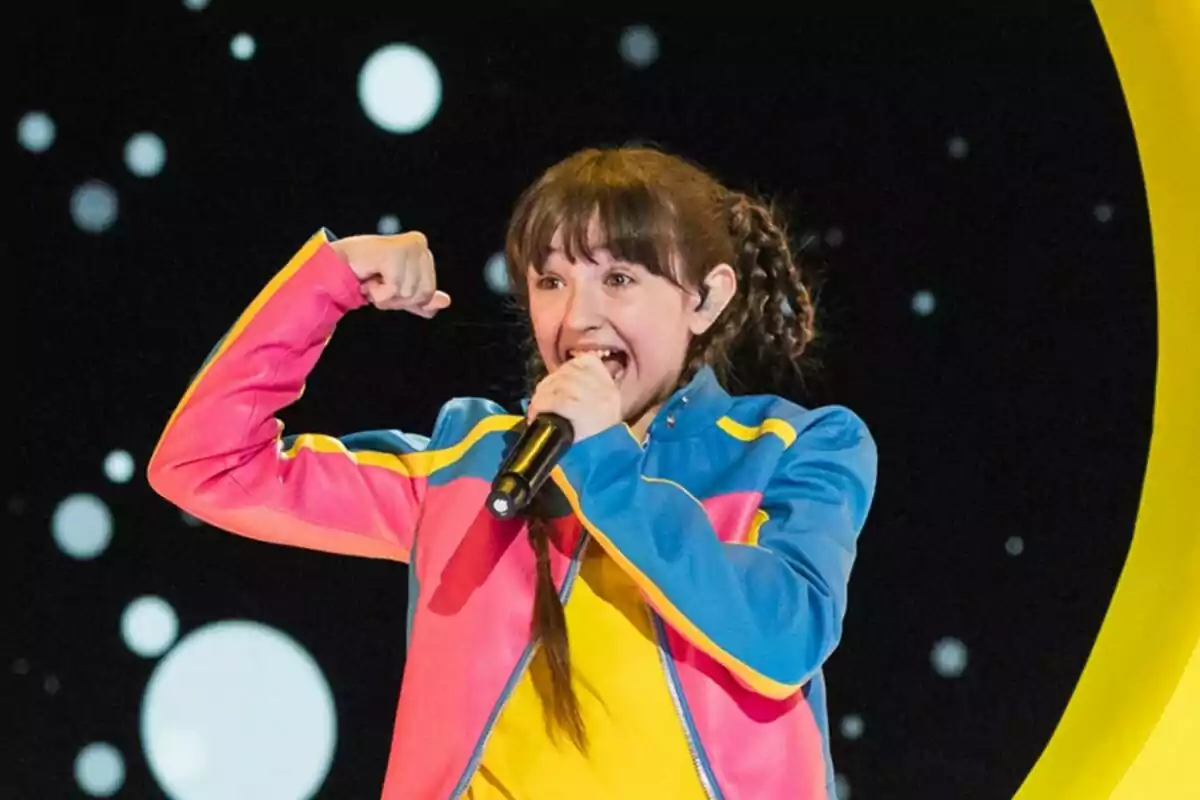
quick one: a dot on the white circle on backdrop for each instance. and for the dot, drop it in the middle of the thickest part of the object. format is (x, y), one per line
(638, 46)
(36, 131)
(118, 466)
(238, 709)
(99, 770)
(82, 526)
(399, 88)
(145, 154)
(242, 46)
(149, 626)
(495, 274)
(923, 303)
(94, 206)
(949, 657)
(388, 225)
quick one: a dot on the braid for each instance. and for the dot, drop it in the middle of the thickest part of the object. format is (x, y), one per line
(548, 625)
(773, 311)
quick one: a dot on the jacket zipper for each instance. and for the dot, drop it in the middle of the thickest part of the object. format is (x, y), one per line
(515, 675)
(699, 761)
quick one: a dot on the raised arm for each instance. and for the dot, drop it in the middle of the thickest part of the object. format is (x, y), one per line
(222, 456)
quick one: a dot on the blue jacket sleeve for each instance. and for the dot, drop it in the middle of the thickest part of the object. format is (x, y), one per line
(771, 612)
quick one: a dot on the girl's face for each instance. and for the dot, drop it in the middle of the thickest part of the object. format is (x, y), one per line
(642, 324)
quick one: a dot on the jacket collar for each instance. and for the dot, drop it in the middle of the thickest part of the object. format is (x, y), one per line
(691, 409)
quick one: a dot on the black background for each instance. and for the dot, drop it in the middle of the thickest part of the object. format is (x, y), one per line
(1020, 407)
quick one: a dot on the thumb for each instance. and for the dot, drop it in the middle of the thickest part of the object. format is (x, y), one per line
(439, 301)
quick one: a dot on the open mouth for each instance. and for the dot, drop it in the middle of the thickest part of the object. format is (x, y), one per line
(615, 359)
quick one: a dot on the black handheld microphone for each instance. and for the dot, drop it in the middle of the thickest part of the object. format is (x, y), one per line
(529, 464)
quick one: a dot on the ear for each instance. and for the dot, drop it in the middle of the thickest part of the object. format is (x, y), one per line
(720, 285)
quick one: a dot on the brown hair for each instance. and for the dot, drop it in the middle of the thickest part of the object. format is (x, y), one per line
(676, 220)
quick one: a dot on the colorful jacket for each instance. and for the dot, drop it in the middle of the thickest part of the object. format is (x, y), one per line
(738, 517)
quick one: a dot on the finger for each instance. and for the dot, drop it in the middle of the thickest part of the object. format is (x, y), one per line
(408, 278)
(426, 283)
(555, 402)
(544, 394)
(563, 391)
(537, 404)
(589, 366)
(381, 293)
(576, 363)
(438, 302)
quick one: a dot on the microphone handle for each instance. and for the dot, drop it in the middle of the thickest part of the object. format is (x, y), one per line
(529, 464)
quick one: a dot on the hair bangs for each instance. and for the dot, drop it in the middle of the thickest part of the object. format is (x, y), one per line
(592, 207)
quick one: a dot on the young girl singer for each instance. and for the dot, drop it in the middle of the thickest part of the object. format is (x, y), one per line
(695, 544)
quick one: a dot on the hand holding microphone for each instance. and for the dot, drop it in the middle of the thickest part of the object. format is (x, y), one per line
(576, 401)
(582, 392)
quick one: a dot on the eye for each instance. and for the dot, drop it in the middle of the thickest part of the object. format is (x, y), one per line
(619, 279)
(548, 282)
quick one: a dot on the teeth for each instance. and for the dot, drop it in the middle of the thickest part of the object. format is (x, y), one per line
(600, 353)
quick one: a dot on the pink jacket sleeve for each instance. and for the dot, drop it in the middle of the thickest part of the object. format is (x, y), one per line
(222, 457)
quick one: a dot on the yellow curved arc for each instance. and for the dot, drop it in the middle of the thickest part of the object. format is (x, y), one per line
(1132, 727)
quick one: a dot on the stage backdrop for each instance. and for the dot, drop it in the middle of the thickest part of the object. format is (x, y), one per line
(968, 182)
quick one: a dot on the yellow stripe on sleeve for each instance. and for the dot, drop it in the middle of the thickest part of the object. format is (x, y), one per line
(747, 433)
(411, 465)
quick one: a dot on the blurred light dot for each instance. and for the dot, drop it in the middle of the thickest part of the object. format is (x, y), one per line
(238, 709)
(118, 466)
(399, 88)
(35, 131)
(852, 727)
(99, 770)
(957, 147)
(21, 666)
(388, 224)
(841, 787)
(242, 46)
(149, 626)
(1103, 212)
(923, 302)
(1015, 545)
(949, 657)
(145, 154)
(191, 521)
(495, 273)
(834, 237)
(638, 46)
(196, 5)
(51, 684)
(82, 526)
(94, 206)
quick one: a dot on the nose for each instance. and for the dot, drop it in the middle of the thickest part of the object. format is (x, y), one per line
(585, 308)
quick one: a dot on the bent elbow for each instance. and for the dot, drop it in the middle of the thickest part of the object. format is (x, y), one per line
(182, 481)
(171, 483)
